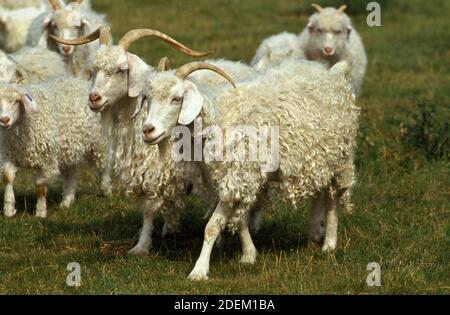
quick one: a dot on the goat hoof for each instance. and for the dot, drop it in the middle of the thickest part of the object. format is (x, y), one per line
(66, 203)
(139, 251)
(328, 248)
(198, 274)
(9, 212)
(168, 231)
(106, 192)
(41, 214)
(248, 259)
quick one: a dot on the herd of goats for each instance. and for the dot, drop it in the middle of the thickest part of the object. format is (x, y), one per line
(69, 96)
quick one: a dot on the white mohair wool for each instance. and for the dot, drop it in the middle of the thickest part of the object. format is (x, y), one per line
(277, 48)
(317, 121)
(55, 138)
(19, 4)
(14, 26)
(31, 65)
(313, 112)
(237, 70)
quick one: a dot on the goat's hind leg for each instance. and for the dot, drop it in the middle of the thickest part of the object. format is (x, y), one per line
(69, 177)
(41, 191)
(332, 207)
(338, 196)
(316, 219)
(249, 251)
(145, 238)
(171, 220)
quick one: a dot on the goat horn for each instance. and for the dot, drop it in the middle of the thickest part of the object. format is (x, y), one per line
(79, 2)
(189, 68)
(317, 7)
(164, 65)
(55, 4)
(102, 33)
(134, 35)
(342, 9)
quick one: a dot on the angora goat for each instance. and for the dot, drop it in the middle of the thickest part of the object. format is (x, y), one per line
(315, 114)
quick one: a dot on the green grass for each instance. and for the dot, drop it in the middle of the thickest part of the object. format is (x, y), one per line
(401, 217)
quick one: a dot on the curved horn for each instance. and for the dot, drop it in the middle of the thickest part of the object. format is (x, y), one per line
(134, 35)
(102, 33)
(342, 9)
(189, 68)
(317, 7)
(55, 4)
(79, 2)
(164, 65)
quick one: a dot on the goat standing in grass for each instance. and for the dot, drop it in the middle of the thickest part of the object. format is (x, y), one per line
(317, 119)
(330, 38)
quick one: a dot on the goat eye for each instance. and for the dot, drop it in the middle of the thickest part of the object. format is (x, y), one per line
(120, 71)
(91, 75)
(177, 100)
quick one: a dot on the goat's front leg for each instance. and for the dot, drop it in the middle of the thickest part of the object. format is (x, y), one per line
(215, 226)
(46, 174)
(9, 174)
(171, 217)
(106, 182)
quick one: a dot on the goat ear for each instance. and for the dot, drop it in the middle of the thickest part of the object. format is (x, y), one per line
(46, 23)
(140, 104)
(192, 104)
(269, 50)
(137, 75)
(29, 104)
(85, 26)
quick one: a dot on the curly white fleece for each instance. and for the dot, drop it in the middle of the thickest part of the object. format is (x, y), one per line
(63, 134)
(317, 119)
(31, 65)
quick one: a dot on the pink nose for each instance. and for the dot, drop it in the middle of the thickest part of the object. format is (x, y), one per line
(148, 130)
(66, 49)
(5, 120)
(328, 50)
(94, 98)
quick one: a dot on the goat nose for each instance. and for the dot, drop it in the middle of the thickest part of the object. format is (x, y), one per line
(148, 129)
(328, 50)
(94, 98)
(5, 119)
(66, 49)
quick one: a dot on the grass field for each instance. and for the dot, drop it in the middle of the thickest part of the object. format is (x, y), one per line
(402, 199)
